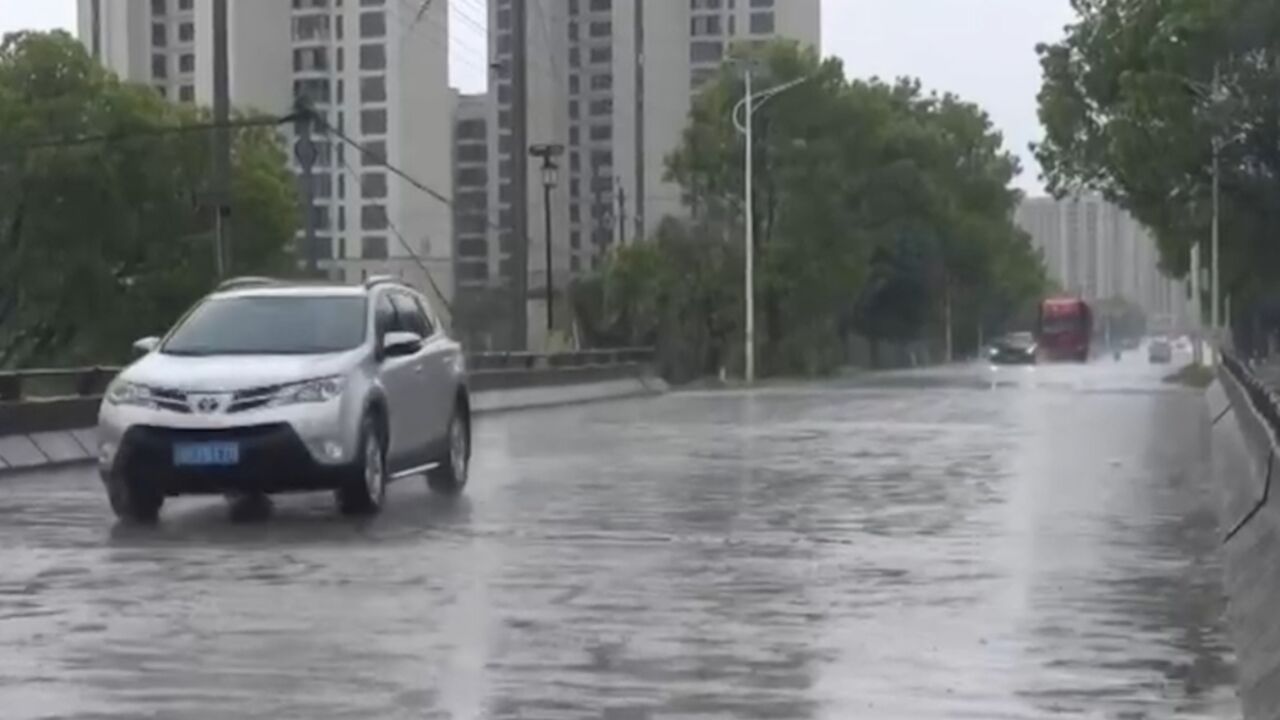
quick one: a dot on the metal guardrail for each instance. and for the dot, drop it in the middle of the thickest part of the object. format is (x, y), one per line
(1262, 396)
(45, 384)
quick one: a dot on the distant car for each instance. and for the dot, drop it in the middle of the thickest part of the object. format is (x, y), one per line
(1159, 351)
(1014, 349)
(268, 387)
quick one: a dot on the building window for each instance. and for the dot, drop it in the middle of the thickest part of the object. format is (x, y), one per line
(373, 185)
(761, 23)
(601, 29)
(702, 25)
(704, 51)
(601, 132)
(601, 5)
(373, 122)
(159, 67)
(374, 217)
(186, 32)
(373, 247)
(373, 89)
(373, 57)
(311, 27)
(603, 81)
(187, 63)
(158, 7)
(185, 5)
(373, 25)
(602, 54)
(375, 153)
(317, 90)
(159, 36)
(602, 107)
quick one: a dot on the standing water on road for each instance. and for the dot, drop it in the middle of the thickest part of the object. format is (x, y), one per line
(943, 544)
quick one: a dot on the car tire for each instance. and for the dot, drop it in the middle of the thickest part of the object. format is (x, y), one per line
(130, 501)
(450, 476)
(365, 488)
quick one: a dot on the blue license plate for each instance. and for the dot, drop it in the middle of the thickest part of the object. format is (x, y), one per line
(217, 454)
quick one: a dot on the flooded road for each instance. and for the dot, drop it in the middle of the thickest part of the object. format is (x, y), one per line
(941, 544)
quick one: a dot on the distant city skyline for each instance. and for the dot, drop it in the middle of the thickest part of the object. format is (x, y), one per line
(983, 51)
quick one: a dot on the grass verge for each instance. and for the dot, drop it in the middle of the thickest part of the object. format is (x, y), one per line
(1196, 376)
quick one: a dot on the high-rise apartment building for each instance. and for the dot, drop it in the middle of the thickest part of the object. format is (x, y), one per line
(474, 265)
(613, 81)
(1096, 250)
(377, 70)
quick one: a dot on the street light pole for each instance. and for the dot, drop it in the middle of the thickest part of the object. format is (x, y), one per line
(550, 178)
(748, 106)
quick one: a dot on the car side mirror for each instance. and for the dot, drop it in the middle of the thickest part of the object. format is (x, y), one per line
(146, 345)
(399, 344)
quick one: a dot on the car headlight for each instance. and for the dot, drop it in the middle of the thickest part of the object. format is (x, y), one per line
(311, 391)
(121, 392)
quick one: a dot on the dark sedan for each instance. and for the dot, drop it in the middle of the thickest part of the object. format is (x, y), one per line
(1014, 349)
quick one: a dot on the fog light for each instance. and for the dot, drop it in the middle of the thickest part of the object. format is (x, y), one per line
(332, 450)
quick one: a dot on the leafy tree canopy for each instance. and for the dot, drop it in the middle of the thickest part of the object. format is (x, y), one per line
(102, 242)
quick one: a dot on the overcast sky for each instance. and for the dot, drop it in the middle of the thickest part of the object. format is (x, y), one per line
(982, 50)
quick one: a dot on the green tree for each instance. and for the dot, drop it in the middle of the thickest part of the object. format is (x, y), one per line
(101, 242)
(1129, 109)
(878, 208)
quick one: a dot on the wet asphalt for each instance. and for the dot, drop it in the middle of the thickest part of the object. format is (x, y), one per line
(955, 543)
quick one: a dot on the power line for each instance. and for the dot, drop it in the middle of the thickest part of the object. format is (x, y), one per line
(403, 241)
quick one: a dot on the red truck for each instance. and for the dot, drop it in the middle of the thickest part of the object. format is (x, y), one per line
(1065, 329)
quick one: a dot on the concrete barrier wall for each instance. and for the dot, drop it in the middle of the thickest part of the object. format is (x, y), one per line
(60, 432)
(1242, 447)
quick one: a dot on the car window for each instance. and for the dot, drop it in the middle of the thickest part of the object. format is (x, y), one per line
(426, 316)
(270, 325)
(409, 316)
(385, 316)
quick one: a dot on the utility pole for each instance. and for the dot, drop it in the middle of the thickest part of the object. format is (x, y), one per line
(1197, 316)
(550, 178)
(622, 214)
(520, 174)
(1216, 316)
(221, 139)
(749, 344)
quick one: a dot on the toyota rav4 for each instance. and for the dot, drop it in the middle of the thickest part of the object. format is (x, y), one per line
(268, 387)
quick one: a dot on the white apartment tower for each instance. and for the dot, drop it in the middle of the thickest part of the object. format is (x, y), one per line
(613, 80)
(377, 70)
(1096, 250)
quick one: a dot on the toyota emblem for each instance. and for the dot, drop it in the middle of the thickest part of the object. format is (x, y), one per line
(207, 404)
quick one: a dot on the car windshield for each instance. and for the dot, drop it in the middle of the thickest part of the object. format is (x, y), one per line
(1021, 339)
(270, 325)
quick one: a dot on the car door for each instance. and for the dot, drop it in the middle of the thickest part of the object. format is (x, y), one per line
(422, 418)
(442, 358)
(401, 378)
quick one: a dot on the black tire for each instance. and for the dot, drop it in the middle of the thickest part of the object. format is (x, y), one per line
(450, 477)
(130, 501)
(361, 493)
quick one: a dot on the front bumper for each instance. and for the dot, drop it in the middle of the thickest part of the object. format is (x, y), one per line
(303, 447)
(272, 459)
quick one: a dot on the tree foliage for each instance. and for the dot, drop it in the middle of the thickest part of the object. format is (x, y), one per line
(1130, 109)
(101, 242)
(879, 209)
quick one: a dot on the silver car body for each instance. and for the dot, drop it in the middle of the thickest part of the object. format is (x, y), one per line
(417, 391)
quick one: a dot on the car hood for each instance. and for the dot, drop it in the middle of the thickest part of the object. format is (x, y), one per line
(222, 373)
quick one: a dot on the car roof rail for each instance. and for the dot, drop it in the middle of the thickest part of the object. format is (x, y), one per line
(246, 282)
(376, 280)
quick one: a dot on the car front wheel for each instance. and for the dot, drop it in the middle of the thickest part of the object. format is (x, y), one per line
(130, 501)
(366, 484)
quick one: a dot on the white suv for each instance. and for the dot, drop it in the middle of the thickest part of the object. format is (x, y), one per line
(268, 387)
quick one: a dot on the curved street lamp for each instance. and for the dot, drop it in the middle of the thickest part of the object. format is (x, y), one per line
(747, 108)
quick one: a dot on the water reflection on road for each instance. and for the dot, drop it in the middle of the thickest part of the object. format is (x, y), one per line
(927, 544)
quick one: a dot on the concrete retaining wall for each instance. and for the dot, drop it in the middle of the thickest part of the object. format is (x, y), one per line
(1242, 447)
(492, 391)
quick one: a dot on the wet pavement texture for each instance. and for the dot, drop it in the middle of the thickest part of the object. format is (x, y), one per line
(955, 543)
